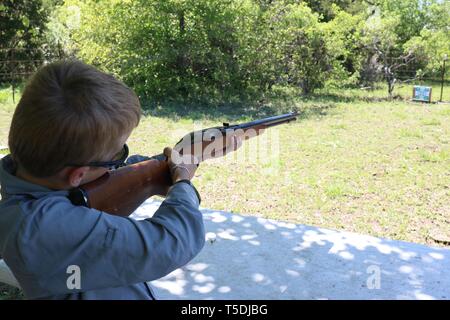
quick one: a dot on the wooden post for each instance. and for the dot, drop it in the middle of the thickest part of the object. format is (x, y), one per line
(12, 76)
(443, 75)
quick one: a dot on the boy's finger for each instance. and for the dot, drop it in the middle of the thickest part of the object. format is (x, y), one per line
(167, 152)
(238, 142)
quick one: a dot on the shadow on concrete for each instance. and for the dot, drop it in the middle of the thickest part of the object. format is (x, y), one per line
(254, 258)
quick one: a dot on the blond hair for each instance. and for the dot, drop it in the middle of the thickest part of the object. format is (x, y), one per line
(70, 112)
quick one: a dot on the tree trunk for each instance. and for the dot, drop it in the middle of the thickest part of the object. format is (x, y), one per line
(390, 79)
(182, 22)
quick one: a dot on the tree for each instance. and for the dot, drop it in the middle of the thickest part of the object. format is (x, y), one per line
(62, 21)
(327, 8)
(344, 39)
(306, 58)
(390, 35)
(293, 48)
(383, 42)
(22, 27)
(175, 48)
(228, 48)
(433, 42)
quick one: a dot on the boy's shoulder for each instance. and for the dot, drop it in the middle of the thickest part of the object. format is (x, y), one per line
(41, 217)
(37, 233)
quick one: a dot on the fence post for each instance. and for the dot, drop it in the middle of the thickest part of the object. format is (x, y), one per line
(12, 75)
(443, 75)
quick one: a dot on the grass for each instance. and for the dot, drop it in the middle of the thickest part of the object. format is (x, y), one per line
(10, 293)
(7, 106)
(354, 161)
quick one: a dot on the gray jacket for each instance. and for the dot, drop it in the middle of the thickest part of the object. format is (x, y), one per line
(47, 241)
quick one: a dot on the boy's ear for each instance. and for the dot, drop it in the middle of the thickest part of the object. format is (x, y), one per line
(76, 175)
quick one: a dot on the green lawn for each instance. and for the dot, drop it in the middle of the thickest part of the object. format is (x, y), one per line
(354, 161)
(6, 110)
(10, 293)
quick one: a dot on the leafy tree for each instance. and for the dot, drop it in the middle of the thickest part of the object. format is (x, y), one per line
(391, 32)
(181, 48)
(22, 26)
(292, 48)
(345, 41)
(222, 48)
(62, 21)
(306, 58)
(433, 42)
(327, 8)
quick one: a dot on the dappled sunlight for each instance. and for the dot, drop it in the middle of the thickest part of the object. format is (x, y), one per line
(218, 218)
(173, 283)
(247, 257)
(227, 234)
(207, 288)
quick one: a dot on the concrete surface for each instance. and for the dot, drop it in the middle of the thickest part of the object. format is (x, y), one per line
(254, 258)
(6, 275)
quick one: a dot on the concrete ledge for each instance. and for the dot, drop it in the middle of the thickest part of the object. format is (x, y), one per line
(6, 275)
(255, 258)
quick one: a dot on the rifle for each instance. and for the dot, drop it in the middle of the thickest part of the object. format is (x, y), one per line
(121, 191)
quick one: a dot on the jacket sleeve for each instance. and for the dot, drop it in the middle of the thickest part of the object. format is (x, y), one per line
(110, 251)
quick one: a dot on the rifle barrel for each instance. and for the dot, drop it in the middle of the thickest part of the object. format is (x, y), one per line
(268, 122)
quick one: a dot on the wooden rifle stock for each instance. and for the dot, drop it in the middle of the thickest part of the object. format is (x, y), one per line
(121, 191)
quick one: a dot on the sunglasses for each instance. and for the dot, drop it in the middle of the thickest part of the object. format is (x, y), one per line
(117, 162)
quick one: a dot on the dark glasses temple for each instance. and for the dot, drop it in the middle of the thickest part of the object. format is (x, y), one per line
(108, 164)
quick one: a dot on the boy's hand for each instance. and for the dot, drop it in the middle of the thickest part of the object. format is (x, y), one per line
(182, 167)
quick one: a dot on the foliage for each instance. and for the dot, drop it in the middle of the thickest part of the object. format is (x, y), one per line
(209, 48)
(229, 49)
(22, 26)
(433, 42)
(345, 40)
(405, 34)
(61, 22)
(166, 48)
(327, 8)
(306, 58)
(291, 48)
(22, 23)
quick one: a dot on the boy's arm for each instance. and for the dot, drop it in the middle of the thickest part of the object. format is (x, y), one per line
(112, 251)
(170, 239)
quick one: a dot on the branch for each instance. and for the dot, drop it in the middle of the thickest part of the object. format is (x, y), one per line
(406, 60)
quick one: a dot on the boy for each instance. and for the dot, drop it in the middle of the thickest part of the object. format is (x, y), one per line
(69, 128)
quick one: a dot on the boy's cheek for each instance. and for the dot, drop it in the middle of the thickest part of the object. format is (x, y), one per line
(93, 174)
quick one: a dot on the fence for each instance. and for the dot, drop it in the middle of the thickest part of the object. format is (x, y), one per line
(17, 64)
(410, 76)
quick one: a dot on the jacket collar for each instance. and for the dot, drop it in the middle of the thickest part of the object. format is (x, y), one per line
(12, 185)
